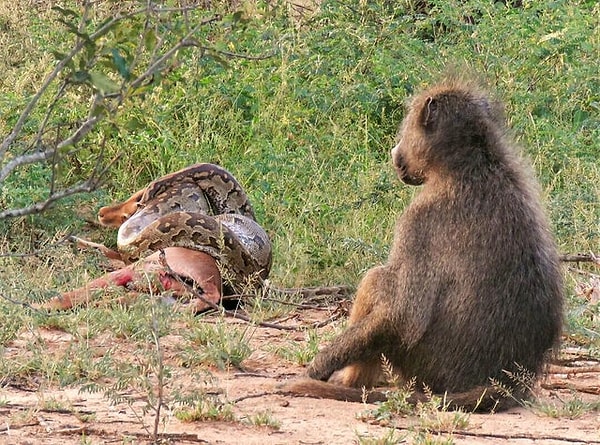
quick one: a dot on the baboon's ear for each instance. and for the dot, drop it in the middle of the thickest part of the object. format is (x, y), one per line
(429, 114)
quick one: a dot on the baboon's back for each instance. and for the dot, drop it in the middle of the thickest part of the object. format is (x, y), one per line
(496, 285)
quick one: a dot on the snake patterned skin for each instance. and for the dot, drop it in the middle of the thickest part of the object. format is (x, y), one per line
(201, 207)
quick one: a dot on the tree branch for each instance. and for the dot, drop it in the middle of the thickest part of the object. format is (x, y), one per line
(86, 186)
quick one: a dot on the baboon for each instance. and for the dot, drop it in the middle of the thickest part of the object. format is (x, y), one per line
(471, 297)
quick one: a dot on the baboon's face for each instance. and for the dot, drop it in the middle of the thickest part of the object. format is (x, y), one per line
(409, 156)
(407, 174)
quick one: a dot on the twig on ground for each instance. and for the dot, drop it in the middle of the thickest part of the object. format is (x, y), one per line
(258, 395)
(570, 370)
(277, 300)
(7, 428)
(572, 385)
(580, 258)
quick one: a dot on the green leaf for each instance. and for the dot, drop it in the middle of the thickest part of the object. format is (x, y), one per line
(103, 83)
(121, 64)
(579, 117)
(74, 29)
(150, 39)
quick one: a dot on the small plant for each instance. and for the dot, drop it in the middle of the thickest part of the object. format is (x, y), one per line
(146, 376)
(300, 352)
(397, 402)
(264, 418)
(206, 409)
(11, 321)
(434, 415)
(85, 417)
(431, 416)
(221, 344)
(390, 438)
(571, 409)
(427, 438)
(84, 440)
(24, 417)
(53, 404)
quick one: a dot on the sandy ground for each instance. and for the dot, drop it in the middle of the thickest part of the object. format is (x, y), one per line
(27, 417)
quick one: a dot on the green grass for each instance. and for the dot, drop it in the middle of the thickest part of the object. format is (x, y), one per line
(307, 131)
(570, 409)
(206, 410)
(218, 344)
(264, 419)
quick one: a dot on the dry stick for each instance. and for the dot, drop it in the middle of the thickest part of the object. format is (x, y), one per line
(86, 186)
(580, 258)
(574, 354)
(583, 272)
(160, 375)
(275, 300)
(557, 369)
(4, 429)
(259, 394)
(89, 431)
(569, 384)
(233, 314)
(312, 292)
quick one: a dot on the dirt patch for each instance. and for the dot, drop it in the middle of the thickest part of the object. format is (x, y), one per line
(32, 412)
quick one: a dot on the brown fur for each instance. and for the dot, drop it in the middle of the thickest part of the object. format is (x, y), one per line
(472, 290)
(115, 215)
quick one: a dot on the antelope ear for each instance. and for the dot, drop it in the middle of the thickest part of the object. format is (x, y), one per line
(429, 114)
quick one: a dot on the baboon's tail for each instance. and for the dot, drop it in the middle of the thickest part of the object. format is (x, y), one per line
(478, 399)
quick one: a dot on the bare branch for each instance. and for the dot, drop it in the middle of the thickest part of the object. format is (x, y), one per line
(81, 132)
(23, 160)
(183, 42)
(52, 153)
(580, 258)
(86, 186)
(55, 72)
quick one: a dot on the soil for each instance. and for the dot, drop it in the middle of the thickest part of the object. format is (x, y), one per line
(31, 412)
